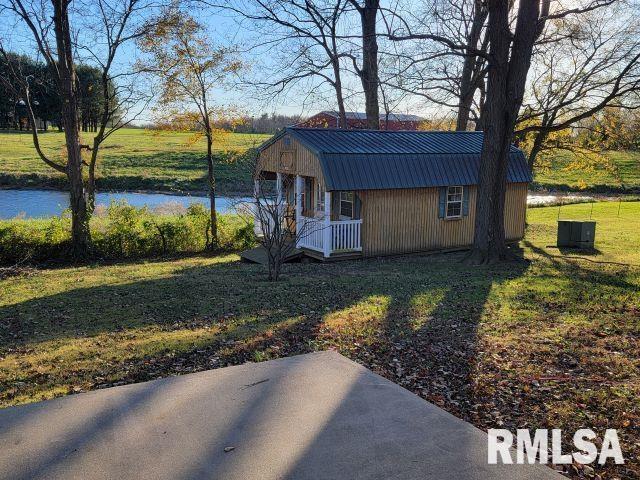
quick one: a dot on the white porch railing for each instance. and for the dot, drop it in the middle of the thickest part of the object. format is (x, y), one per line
(344, 237)
(310, 233)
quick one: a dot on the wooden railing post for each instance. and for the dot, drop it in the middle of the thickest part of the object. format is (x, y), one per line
(326, 238)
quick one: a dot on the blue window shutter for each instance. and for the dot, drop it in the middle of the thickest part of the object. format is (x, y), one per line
(465, 201)
(442, 204)
(357, 206)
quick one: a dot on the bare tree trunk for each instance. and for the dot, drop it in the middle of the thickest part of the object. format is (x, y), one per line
(211, 180)
(467, 85)
(80, 235)
(538, 142)
(97, 141)
(337, 85)
(486, 240)
(369, 72)
(370, 62)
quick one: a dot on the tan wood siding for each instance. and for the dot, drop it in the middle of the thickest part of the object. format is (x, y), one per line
(305, 163)
(515, 210)
(398, 221)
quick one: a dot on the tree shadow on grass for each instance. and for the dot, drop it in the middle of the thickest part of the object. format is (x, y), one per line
(434, 352)
(422, 328)
(589, 367)
(227, 313)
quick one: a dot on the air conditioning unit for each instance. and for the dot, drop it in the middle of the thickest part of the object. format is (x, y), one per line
(576, 233)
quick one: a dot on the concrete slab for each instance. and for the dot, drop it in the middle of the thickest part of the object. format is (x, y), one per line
(316, 416)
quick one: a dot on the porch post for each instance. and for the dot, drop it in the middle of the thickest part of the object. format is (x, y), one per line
(327, 237)
(256, 191)
(279, 195)
(299, 187)
(257, 214)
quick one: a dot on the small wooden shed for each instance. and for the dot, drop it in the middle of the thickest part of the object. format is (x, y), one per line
(368, 193)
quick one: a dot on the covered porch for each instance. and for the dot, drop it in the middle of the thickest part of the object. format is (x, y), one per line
(326, 224)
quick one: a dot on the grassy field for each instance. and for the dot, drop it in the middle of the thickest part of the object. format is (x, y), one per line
(551, 342)
(134, 159)
(623, 175)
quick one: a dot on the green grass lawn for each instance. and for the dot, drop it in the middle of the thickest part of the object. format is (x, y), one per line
(135, 159)
(617, 229)
(624, 174)
(553, 342)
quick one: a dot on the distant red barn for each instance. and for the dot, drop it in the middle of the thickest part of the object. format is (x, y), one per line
(358, 120)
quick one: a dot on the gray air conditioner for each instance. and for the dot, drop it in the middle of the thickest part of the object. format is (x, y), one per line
(576, 233)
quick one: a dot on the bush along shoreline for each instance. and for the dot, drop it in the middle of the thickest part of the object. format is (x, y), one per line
(121, 231)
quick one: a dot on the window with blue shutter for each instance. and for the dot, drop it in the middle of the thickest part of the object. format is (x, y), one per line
(465, 201)
(442, 202)
(453, 202)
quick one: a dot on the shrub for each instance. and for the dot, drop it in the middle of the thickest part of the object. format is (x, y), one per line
(33, 240)
(122, 231)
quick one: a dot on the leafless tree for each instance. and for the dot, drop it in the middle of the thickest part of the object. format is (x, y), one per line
(101, 29)
(275, 222)
(593, 64)
(110, 28)
(305, 32)
(445, 58)
(511, 37)
(49, 26)
(368, 72)
(274, 217)
(509, 60)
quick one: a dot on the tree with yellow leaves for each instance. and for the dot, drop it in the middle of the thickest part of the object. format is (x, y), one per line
(190, 66)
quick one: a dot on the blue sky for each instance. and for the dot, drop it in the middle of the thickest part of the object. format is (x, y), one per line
(222, 29)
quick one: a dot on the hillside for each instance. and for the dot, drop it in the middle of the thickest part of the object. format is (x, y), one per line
(622, 174)
(137, 159)
(134, 159)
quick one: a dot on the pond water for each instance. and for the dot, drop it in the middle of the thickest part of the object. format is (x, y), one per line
(46, 203)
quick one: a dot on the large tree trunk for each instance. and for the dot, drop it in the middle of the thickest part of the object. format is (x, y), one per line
(505, 89)
(369, 72)
(80, 235)
(469, 84)
(488, 241)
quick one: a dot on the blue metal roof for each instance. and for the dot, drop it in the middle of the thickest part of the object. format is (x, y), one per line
(382, 159)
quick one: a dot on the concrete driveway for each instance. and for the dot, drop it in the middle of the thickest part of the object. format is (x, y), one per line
(315, 416)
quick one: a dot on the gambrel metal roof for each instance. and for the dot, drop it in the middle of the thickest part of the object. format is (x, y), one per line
(384, 159)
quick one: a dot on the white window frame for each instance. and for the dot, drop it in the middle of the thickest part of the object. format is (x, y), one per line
(344, 199)
(455, 196)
